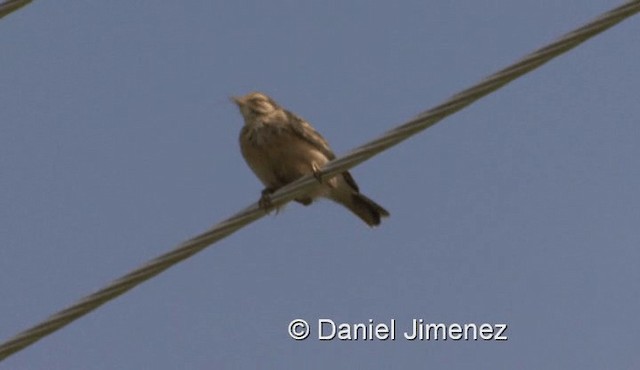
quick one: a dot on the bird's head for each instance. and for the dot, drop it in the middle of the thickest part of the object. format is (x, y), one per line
(255, 105)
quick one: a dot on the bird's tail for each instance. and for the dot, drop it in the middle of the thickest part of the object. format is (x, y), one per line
(369, 211)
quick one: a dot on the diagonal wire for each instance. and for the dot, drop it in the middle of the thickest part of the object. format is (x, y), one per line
(10, 6)
(304, 184)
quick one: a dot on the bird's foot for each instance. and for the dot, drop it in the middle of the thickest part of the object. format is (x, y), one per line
(317, 173)
(265, 199)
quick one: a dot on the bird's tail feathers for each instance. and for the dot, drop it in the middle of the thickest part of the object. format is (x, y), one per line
(369, 211)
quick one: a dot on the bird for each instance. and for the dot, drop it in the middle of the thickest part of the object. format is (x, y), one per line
(281, 147)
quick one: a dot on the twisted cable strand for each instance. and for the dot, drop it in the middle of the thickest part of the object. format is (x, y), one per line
(11, 6)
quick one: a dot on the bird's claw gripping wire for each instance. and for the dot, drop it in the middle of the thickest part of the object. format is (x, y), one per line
(317, 173)
(265, 199)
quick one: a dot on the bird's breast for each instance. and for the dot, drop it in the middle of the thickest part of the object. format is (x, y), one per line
(278, 156)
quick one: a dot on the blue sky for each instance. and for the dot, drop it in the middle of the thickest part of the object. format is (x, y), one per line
(118, 142)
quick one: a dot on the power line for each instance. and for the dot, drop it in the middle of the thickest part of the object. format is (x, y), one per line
(297, 188)
(11, 6)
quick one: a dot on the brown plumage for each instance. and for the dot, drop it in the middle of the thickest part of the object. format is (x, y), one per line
(280, 147)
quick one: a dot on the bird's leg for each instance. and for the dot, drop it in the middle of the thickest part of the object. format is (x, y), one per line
(265, 199)
(317, 173)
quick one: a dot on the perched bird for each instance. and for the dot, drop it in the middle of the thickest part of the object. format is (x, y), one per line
(280, 147)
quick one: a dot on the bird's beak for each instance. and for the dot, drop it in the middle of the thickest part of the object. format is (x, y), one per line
(237, 100)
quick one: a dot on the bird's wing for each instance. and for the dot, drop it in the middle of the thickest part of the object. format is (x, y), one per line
(349, 179)
(305, 131)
